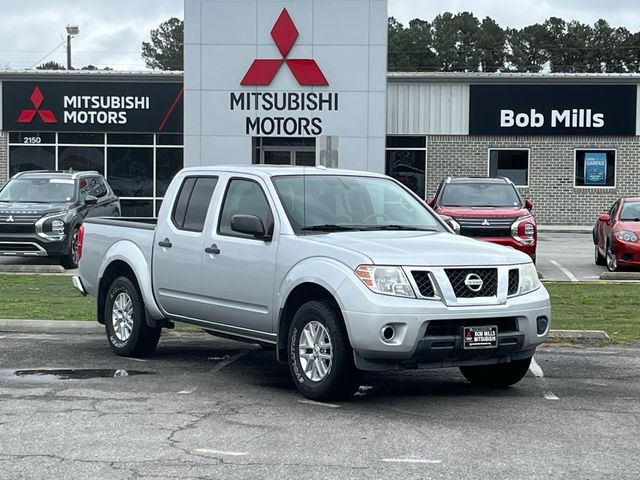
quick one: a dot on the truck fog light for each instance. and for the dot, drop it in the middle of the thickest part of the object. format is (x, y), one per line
(543, 324)
(388, 333)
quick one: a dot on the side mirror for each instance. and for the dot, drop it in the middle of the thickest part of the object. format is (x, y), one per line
(528, 204)
(90, 200)
(455, 226)
(605, 218)
(430, 202)
(248, 224)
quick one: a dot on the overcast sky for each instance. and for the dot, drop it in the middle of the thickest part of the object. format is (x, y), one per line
(111, 31)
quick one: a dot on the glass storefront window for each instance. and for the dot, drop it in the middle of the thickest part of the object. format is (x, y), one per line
(81, 158)
(512, 164)
(137, 208)
(169, 139)
(130, 171)
(408, 167)
(88, 138)
(169, 161)
(130, 139)
(31, 157)
(31, 138)
(595, 168)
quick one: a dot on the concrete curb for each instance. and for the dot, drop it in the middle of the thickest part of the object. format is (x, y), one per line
(565, 229)
(620, 276)
(33, 269)
(50, 326)
(74, 327)
(579, 335)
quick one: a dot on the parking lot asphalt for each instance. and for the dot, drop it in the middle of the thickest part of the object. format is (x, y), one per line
(567, 256)
(202, 407)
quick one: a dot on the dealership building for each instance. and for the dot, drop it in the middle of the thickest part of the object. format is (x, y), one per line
(291, 83)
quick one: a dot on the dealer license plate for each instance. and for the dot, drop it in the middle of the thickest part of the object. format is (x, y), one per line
(480, 337)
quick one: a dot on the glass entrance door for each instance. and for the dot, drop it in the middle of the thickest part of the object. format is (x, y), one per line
(285, 151)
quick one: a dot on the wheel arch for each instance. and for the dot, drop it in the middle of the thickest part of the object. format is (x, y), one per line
(298, 296)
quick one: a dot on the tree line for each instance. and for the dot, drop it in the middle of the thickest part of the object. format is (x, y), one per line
(463, 43)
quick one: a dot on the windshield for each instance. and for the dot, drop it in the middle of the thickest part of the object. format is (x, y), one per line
(38, 190)
(341, 202)
(480, 195)
(630, 212)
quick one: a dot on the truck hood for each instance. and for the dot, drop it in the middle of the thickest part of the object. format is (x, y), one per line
(422, 248)
(483, 212)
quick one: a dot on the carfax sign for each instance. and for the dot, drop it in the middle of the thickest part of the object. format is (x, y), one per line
(595, 168)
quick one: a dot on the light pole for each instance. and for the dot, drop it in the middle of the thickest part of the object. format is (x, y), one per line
(72, 31)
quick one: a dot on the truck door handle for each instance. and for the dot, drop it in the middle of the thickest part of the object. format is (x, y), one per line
(213, 249)
(166, 243)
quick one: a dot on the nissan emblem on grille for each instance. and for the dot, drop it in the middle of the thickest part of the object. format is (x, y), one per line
(473, 282)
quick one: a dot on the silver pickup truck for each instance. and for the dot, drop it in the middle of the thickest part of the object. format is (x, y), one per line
(341, 272)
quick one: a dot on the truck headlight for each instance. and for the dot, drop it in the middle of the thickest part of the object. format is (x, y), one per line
(529, 280)
(385, 280)
(52, 227)
(627, 236)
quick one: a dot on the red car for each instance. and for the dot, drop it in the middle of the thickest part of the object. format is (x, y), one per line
(489, 209)
(616, 234)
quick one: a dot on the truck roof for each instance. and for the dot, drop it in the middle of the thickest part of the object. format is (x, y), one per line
(276, 170)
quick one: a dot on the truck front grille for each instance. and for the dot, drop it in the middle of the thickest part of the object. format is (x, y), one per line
(463, 279)
(17, 228)
(514, 281)
(425, 286)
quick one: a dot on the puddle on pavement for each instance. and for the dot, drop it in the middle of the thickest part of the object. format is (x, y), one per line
(79, 373)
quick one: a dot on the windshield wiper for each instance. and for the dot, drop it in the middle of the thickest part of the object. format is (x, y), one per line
(399, 227)
(329, 228)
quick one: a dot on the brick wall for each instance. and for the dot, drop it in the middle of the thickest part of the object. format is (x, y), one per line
(551, 170)
(4, 158)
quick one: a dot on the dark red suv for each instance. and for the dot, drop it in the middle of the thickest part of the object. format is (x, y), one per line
(489, 209)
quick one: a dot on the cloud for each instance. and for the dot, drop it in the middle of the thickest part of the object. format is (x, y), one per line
(111, 32)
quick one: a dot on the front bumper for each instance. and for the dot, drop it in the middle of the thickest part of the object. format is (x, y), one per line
(31, 245)
(416, 345)
(627, 254)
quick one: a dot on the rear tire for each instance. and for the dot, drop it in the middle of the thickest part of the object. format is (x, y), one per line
(70, 260)
(501, 375)
(320, 355)
(126, 321)
(599, 258)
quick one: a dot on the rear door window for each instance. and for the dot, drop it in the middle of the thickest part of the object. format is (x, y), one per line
(192, 203)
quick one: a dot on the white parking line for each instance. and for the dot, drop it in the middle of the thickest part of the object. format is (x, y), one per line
(570, 275)
(186, 392)
(228, 361)
(319, 404)
(537, 372)
(221, 452)
(411, 460)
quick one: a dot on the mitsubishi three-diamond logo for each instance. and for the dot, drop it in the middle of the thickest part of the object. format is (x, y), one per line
(305, 70)
(28, 114)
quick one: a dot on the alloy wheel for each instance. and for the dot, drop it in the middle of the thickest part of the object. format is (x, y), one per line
(122, 316)
(315, 351)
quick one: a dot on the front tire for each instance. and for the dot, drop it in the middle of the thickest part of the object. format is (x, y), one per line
(126, 321)
(501, 375)
(320, 356)
(612, 262)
